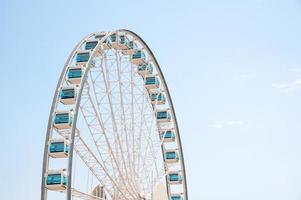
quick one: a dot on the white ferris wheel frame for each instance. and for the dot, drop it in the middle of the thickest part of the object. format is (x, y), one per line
(82, 148)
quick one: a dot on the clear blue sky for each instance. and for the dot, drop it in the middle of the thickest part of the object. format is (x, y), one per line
(233, 68)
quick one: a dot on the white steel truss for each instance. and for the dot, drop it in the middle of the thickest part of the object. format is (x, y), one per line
(115, 132)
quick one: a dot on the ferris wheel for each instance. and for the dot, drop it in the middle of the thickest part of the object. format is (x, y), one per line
(112, 130)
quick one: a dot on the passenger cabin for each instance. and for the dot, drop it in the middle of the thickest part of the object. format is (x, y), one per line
(58, 148)
(57, 180)
(131, 48)
(176, 197)
(152, 82)
(174, 178)
(145, 69)
(125, 43)
(115, 40)
(138, 57)
(171, 156)
(163, 116)
(82, 57)
(158, 98)
(90, 45)
(74, 75)
(168, 136)
(68, 95)
(63, 119)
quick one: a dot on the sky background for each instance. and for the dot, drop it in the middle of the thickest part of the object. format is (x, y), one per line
(234, 72)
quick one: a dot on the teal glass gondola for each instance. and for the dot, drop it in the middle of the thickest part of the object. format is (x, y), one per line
(62, 118)
(74, 73)
(116, 41)
(138, 55)
(125, 43)
(82, 57)
(58, 147)
(163, 115)
(158, 98)
(171, 155)
(152, 81)
(90, 45)
(124, 40)
(113, 37)
(174, 177)
(168, 135)
(128, 47)
(57, 179)
(145, 69)
(67, 93)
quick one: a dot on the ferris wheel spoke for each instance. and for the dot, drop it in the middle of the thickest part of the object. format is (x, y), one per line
(140, 130)
(114, 177)
(105, 134)
(97, 95)
(108, 144)
(138, 152)
(95, 166)
(147, 163)
(106, 79)
(96, 128)
(148, 147)
(108, 95)
(132, 87)
(151, 143)
(123, 122)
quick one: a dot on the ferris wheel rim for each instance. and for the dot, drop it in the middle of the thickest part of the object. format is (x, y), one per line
(77, 105)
